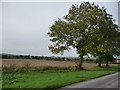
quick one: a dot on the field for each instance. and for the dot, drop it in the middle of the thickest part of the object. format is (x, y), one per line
(44, 63)
(49, 78)
(37, 63)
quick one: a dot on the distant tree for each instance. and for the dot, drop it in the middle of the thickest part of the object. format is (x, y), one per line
(21, 56)
(78, 30)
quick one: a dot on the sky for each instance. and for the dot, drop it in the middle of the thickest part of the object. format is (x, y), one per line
(25, 25)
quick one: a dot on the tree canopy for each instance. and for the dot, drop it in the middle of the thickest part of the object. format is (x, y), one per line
(87, 28)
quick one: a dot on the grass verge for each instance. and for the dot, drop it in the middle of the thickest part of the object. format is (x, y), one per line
(49, 79)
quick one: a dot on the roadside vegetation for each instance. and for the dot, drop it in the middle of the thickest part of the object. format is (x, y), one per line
(50, 78)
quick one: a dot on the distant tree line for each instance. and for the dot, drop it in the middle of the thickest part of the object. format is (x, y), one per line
(12, 56)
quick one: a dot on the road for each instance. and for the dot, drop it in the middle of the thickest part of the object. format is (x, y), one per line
(109, 81)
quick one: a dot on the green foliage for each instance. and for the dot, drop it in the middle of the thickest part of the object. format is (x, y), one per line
(108, 57)
(87, 28)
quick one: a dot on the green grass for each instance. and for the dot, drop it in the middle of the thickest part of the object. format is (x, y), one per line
(48, 79)
(111, 68)
(51, 78)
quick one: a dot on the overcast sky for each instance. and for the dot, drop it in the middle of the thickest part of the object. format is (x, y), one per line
(25, 24)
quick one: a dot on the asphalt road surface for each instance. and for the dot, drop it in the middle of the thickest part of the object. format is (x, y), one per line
(109, 81)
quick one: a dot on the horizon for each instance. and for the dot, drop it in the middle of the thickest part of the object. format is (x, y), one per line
(86, 56)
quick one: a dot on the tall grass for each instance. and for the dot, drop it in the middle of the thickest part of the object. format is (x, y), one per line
(26, 67)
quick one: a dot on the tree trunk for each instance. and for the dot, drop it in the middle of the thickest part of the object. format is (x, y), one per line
(81, 61)
(100, 62)
(107, 63)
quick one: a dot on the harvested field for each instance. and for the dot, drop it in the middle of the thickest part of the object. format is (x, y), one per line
(44, 63)
(37, 63)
